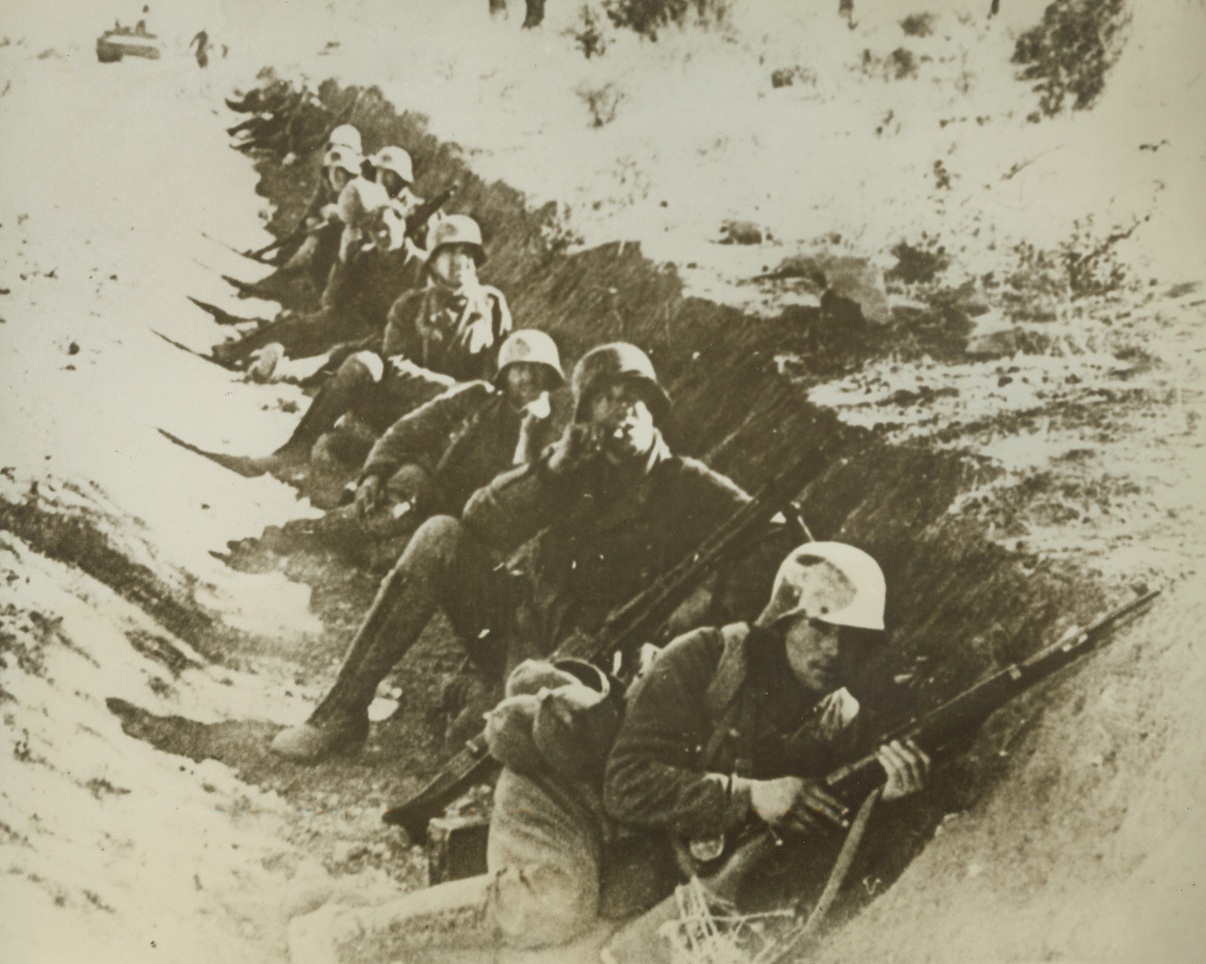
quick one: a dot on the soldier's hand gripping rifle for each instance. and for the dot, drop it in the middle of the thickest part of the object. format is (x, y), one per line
(934, 731)
(624, 631)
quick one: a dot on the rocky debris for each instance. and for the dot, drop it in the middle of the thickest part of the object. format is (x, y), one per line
(851, 288)
(742, 232)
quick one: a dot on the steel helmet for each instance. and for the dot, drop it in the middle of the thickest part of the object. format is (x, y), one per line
(345, 135)
(830, 581)
(456, 229)
(617, 361)
(342, 158)
(534, 347)
(394, 159)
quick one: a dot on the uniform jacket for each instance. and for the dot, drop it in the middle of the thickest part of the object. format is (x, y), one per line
(432, 327)
(718, 702)
(355, 301)
(463, 438)
(585, 542)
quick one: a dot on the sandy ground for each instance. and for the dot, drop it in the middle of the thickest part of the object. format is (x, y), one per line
(113, 174)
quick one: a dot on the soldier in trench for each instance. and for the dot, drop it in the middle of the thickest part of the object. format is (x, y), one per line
(322, 223)
(730, 729)
(377, 267)
(733, 729)
(545, 550)
(433, 459)
(448, 331)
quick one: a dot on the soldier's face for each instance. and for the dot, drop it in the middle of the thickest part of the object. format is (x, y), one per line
(392, 182)
(389, 231)
(454, 263)
(814, 654)
(622, 415)
(338, 177)
(523, 382)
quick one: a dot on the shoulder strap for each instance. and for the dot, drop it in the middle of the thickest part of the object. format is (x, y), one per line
(735, 719)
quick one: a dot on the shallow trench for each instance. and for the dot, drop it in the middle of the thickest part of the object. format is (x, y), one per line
(960, 605)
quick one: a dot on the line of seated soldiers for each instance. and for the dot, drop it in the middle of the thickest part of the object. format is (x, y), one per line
(527, 527)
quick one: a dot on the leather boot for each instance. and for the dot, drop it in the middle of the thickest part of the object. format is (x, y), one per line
(339, 724)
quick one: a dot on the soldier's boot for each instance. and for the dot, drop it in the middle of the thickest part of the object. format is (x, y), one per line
(300, 259)
(405, 603)
(329, 405)
(452, 921)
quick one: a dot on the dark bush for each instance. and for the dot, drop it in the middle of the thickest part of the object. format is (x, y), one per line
(646, 17)
(1070, 53)
(918, 24)
(588, 34)
(918, 264)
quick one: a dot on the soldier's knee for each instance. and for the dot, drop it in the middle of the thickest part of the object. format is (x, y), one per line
(434, 544)
(361, 368)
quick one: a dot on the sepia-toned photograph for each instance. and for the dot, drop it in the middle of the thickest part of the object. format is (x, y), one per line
(603, 481)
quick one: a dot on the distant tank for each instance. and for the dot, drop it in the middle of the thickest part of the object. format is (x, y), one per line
(121, 41)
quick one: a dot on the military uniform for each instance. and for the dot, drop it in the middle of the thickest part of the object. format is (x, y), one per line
(575, 545)
(458, 442)
(355, 301)
(720, 702)
(433, 337)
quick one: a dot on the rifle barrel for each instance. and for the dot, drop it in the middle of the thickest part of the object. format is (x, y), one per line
(936, 728)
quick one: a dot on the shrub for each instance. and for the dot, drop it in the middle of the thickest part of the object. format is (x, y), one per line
(790, 76)
(1070, 53)
(646, 17)
(588, 33)
(602, 102)
(920, 263)
(918, 24)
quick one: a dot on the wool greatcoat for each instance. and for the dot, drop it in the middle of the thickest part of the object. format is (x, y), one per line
(538, 554)
(460, 440)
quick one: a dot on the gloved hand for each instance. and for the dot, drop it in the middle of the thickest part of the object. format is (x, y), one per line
(907, 767)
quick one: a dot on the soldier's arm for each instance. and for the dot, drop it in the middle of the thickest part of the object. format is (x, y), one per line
(656, 778)
(420, 436)
(513, 507)
(401, 337)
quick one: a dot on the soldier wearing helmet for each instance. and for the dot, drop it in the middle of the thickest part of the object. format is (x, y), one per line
(736, 726)
(322, 223)
(392, 168)
(544, 550)
(346, 136)
(379, 264)
(433, 459)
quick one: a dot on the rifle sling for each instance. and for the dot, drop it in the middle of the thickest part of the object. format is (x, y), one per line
(808, 933)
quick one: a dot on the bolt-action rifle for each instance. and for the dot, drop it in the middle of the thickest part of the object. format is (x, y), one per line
(624, 631)
(934, 731)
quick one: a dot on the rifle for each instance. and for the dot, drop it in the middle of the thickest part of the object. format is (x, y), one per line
(934, 731)
(417, 220)
(623, 631)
